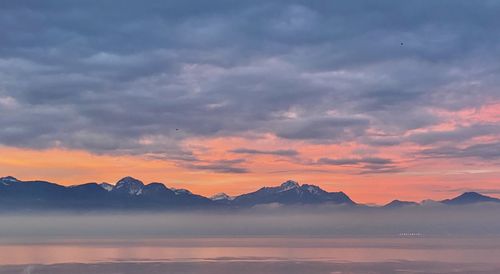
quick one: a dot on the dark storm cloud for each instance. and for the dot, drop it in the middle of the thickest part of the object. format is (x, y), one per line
(139, 78)
(279, 152)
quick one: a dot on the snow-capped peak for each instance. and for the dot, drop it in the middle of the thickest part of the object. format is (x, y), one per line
(131, 185)
(289, 185)
(312, 189)
(221, 196)
(8, 179)
(106, 186)
(178, 191)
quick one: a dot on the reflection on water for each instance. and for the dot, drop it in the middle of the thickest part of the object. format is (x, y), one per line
(469, 250)
(319, 240)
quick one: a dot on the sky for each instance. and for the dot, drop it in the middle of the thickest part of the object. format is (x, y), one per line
(381, 100)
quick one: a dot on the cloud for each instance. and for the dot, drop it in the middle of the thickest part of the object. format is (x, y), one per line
(382, 141)
(218, 166)
(367, 165)
(486, 151)
(354, 161)
(105, 78)
(459, 134)
(279, 152)
(329, 129)
(380, 168)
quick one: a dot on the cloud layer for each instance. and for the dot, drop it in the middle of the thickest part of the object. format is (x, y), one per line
(148, 79)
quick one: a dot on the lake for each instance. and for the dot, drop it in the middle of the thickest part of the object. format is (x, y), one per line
(399, 254)
(265, 240)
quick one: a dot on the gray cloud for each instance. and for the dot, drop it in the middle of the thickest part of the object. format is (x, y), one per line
(366, 165)
(354, 161)
(380, 168)
(382, 141)
(456, 135)
(218, 166)
(334, 129)
(105, 78)
(279, 152)
(486, 151)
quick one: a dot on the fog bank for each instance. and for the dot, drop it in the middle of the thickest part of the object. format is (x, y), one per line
(480, 220)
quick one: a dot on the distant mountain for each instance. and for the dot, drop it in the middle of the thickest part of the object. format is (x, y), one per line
(127, 193)
(132, 194)
(8, 180)
(470, 198)
(15, 193)
(399, 204)
(157, 190)
(106, 186)
(222, 199)
(465, 198)
(129, 186)
(291, 192)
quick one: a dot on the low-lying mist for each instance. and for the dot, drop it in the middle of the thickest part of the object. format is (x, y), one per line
(327, 221)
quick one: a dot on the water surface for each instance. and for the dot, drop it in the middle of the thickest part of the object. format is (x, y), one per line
(255, 255)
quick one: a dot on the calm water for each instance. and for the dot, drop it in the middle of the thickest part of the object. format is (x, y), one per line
(323, 240)
(255, 255)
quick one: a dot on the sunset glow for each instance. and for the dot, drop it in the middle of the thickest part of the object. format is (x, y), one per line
(234, 97)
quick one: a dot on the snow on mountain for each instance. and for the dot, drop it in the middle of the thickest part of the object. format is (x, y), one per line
(291, 192)
(316, 190)
(107, 186)
(129, 185)
(288, 185)
(179, 191)
(221, 196)
(130, 192)
(8, 180)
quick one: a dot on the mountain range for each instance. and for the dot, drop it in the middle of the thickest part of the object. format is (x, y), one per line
(130, 193)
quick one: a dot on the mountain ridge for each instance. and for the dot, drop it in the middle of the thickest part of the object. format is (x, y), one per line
(131, 193)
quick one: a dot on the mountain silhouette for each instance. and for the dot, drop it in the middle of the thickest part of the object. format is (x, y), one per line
(291, 192)
(132, 194)
(470, 198)
(398, 204)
